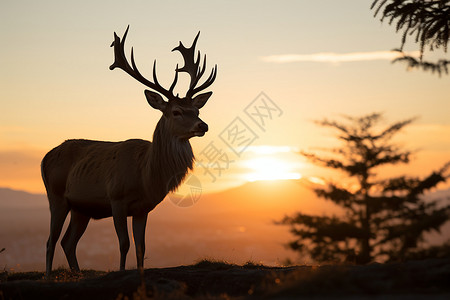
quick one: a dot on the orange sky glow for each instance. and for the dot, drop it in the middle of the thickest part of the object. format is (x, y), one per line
(56, 85)
(298, 61)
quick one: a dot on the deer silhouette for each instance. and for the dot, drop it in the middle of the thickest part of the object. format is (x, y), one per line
(98, 179)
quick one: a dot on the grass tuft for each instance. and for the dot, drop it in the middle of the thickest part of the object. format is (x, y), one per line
(212, 264)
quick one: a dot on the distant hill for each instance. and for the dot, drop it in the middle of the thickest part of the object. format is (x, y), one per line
(254, 200)
(234, 225)
(19, 199)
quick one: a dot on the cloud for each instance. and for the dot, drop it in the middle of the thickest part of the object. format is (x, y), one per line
(336, 58)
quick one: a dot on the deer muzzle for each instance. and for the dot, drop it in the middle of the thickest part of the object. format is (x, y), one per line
(200, 129)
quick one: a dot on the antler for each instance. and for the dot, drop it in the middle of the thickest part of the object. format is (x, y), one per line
(192, 67)
(121, 62)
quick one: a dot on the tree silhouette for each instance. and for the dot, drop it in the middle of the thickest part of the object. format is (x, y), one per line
(429, 23)
(384, 219)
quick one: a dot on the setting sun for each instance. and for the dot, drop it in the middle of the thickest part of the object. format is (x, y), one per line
(269, 168)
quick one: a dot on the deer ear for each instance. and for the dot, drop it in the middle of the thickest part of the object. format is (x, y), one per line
(155, 100)
(201, 99)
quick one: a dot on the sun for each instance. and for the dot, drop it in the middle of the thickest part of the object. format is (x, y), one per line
(269, 168)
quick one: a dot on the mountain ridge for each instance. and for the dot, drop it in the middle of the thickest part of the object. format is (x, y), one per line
(235, 225)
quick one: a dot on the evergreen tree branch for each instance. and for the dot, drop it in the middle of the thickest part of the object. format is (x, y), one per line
(394, 128)
(440, 67)
(427, 21)
(338, 195)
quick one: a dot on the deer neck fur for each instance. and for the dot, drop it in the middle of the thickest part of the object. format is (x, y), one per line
(170, 159)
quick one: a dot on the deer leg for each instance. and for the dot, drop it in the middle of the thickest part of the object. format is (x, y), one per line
(120, 224)
(139, 223)
(58, 214)
(77, 226)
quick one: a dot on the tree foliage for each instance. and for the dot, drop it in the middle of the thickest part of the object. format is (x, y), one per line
(385, 219)
(426, 21)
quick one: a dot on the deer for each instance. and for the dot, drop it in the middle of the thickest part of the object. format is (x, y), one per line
(100, 179)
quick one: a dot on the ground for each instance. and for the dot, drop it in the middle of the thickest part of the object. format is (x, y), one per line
(427, 279)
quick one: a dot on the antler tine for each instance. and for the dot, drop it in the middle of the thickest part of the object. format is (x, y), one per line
(205, 84)
(121, 62)
(202, 70)
(174, 81)
(192, 67)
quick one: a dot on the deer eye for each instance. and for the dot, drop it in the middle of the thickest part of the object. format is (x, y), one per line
(176, 113)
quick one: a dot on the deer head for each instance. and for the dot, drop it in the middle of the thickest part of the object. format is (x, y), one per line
(179, 113)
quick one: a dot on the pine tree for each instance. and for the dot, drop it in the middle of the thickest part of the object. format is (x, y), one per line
(385, 219)
(428, 21)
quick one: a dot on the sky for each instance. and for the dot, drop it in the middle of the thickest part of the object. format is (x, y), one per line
(304, 60)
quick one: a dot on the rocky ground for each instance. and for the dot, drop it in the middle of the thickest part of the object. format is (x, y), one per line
(427, 279)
